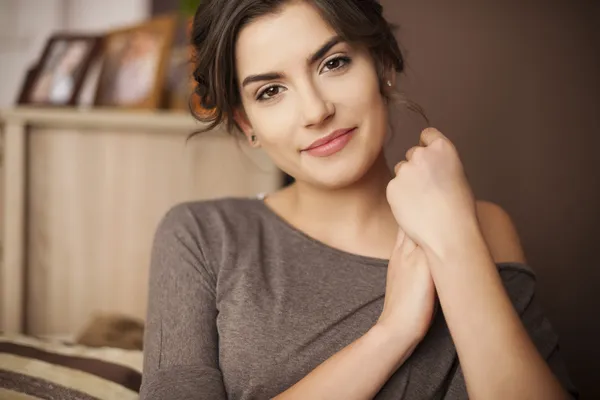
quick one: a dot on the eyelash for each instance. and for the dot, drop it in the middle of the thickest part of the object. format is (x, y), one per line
(345, 63)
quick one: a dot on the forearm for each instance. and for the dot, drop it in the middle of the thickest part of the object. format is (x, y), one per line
(497, 356)
(356, 372)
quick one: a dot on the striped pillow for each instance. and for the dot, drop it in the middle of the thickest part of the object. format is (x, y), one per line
(34, 368)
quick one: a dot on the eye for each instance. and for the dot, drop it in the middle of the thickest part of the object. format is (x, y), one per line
(336, 63)
(269, 93)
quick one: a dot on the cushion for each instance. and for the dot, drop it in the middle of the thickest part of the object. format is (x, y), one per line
(35, 368)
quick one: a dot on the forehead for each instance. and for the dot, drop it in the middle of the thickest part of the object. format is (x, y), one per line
(273, 41)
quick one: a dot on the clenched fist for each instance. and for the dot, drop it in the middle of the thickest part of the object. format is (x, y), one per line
(430, 196)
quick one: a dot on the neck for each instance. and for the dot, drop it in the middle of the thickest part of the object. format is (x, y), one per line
(354, 210)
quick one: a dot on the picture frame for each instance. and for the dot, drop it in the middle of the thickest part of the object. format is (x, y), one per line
(179, 86)
(135, 64)
(56, 79)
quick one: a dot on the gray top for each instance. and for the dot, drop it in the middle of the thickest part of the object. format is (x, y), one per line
(242, 305)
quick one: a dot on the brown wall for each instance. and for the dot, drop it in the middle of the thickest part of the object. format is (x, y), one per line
(516, 86)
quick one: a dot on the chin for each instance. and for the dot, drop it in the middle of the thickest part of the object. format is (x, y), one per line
(346, 172)
(337, 182)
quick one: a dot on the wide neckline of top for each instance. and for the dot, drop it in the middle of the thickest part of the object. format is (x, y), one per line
(272, 214)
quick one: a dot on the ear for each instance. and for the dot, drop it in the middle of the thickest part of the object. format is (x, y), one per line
(242, 121)
(390, 76)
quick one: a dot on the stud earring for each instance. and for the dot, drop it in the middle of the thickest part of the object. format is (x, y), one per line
(253, 139)
(389, 83)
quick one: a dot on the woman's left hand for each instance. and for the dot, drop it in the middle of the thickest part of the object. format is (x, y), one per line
(430, 196)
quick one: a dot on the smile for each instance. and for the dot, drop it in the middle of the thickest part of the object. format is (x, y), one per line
(331, 144)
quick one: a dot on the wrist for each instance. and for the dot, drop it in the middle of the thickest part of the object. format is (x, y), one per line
(465, 240)
(401, 343)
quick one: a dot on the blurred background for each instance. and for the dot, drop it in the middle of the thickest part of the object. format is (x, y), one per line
(92, 148)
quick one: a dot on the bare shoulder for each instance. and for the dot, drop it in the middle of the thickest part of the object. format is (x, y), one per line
(500, 233)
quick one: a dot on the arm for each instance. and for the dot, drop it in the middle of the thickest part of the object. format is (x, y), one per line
(497, 355)
(434, 204)
(180, 342)
(358, 371)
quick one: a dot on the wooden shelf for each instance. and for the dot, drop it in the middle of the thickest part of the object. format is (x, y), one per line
(101, 119)
(81, 194)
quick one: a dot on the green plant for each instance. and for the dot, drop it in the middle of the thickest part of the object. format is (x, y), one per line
(189, 7)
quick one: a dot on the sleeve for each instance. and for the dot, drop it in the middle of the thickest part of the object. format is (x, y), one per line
(180, 339)
(546, 341)
(521, 286)
(519, 281)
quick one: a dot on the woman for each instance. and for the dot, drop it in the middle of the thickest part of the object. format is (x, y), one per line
(329, 288)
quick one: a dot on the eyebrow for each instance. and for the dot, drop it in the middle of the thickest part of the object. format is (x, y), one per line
(316, 56)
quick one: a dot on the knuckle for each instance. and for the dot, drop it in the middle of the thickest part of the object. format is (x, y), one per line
(390, 189)
(390, 185)
(430, 133)
(444, 141)
(440, 141)
(442, 145)
(418, 154)
(398, 167)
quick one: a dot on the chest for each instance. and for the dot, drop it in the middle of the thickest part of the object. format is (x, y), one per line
(282, 316)
(278, 321)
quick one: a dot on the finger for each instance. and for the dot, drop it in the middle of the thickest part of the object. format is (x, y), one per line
(404, 244)
(429, 136)
(411, 152)
(408, 245)
(399, 165)
(400, 238)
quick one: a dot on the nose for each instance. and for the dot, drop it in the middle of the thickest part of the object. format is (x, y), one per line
(316, 109)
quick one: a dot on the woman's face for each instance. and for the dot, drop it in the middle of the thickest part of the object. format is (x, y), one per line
(299, 84)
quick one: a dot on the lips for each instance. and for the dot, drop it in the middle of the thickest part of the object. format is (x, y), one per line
(330, 144)
(332, 136)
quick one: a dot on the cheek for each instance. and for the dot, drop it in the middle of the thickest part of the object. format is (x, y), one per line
(359, 93)
(274, 125)
(276, 128)
(366, 102)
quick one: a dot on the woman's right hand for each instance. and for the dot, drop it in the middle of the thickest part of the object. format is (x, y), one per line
(410, 292)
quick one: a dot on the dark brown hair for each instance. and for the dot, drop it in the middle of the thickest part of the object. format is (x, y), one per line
(217, 24)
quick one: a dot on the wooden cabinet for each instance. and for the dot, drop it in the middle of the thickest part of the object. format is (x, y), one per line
(83, 193)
